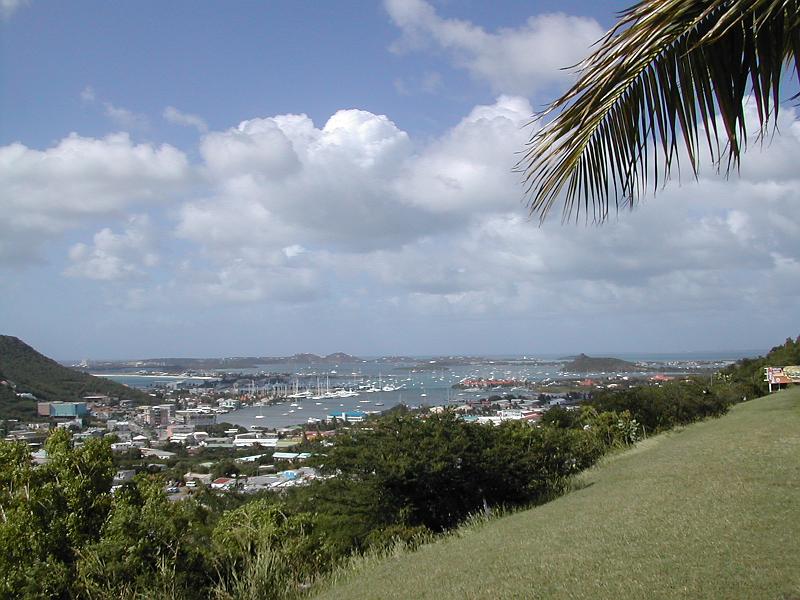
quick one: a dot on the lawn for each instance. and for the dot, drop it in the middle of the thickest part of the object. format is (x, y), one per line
(707, 511)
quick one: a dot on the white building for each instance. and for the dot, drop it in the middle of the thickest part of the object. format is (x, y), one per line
(256, 438)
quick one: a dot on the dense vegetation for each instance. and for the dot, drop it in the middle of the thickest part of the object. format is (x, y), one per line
(398, 478)
(748, 373)
(64, 534)
(12, 406)
(708, 512)
(595, 364)
(43, 377)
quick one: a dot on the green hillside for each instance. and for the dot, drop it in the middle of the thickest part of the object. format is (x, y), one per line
(46, 379)
(596, 364)
(707, 511)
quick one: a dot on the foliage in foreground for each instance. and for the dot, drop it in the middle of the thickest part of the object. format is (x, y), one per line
(656, 87)
(394, 480)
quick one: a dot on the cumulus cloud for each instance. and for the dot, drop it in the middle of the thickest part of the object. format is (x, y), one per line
(46, 192)
(355, 208)
(115, 256)
(281, 181)
(521, 60)
(173, 115)
(469, 168)
(353, 214)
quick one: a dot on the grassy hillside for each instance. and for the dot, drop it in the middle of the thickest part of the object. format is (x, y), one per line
(47, 380)
(708, 511)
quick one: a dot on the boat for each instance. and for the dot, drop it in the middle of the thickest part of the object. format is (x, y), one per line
(392, 388)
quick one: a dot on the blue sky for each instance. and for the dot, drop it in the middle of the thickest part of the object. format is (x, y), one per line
(211, 179)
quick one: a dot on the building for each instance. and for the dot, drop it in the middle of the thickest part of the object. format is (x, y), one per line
(290, 455)
(203, 478)
(158, 416)
(122, 476)
(351, 416)
(267, 440)
(223, 483)
(68, 410)
(178, 428)
(196, 417)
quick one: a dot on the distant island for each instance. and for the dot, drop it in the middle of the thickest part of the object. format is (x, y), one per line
(180, 365)
(590, 364)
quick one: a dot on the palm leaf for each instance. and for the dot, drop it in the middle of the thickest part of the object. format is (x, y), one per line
(652, 94)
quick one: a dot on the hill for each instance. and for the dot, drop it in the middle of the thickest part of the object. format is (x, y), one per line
(707, 511)
(46, 379)
(180, 365)
(591, 364)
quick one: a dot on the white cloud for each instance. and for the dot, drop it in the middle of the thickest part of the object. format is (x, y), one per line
(121, 117)
(46, 192)
(521, 60)
(470, 167)
(355, 215)
(9, 7)
(113, 256)
(173, 115)
(125, 118)
(355, 209)
(258, 148)
(87, 94)
(282, 181)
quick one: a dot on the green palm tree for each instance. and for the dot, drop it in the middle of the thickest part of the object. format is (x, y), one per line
(669, 80)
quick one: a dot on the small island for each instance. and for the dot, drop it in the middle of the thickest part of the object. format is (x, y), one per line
(591, 364)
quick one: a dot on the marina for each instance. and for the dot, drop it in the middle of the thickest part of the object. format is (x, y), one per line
(285, 394)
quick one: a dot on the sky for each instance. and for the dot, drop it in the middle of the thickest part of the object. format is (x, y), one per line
(265, 178)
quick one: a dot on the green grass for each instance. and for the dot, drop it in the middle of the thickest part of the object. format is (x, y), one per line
(708, 511)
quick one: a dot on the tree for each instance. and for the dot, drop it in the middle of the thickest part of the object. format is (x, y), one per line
(435, 472)
(671, 73)
(49, 513)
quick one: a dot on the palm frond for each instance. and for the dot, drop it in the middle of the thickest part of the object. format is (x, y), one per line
(653, 92)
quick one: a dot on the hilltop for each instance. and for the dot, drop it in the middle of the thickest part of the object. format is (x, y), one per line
(34, 373)
(590, 364)
(706, 511)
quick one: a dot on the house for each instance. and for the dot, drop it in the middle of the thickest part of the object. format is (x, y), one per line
(156, 453)
(291, 455)
(203, 478)
(351, 416)
(249, 459)
(223, 483)
(121, 446)
(255, 439)
(259, 483)
(122, 476)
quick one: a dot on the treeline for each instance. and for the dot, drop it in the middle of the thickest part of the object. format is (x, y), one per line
(748, 373)
(63, 534)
